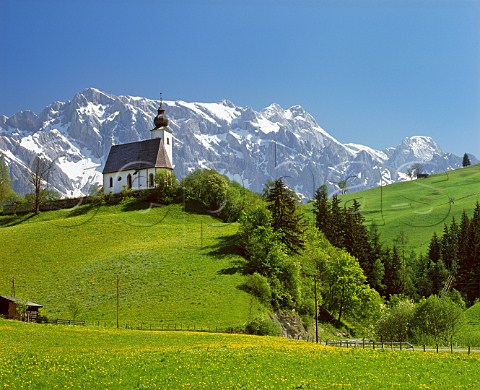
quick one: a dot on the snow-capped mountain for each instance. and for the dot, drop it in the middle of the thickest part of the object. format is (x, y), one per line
(247, 146)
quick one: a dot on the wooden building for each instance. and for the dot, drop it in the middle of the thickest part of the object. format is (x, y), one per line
(8, 309)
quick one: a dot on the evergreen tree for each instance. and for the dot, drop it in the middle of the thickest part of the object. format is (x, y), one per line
(423, 283)
(464, 269)
(466, 160)
(320, 208)
(473, 249)
(356, 240)
(449, 245)
(434, 250)
(393, 272)
(437, 274)
(336, 223)
(378, 271)
(286, 217)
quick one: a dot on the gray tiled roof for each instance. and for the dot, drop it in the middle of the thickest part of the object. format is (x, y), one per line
(137, 155)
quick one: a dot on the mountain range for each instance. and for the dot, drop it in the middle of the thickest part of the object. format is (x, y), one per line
(248, 146)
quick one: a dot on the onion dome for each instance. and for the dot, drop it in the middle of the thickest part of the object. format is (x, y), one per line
(160, 120)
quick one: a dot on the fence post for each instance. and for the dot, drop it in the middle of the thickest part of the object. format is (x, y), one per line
(437, 348)
(423, 347)
(469, 349)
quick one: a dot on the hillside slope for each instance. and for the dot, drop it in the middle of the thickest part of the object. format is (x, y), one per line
(418, 208)
(172, 266)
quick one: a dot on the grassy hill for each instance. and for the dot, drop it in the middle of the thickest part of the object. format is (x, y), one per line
(469, 330)
(172, 266)
(418, 208)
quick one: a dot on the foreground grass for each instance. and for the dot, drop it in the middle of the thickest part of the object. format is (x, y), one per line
(48, 356)
(171, 266)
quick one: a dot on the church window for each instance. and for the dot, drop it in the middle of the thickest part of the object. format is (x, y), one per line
(168, 141)
(151, 180)
(129, 181)
(111, 181)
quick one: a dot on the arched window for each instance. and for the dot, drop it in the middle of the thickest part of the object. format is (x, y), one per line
(151, 180)
(129, 181)
(111, 181)
(168, 141)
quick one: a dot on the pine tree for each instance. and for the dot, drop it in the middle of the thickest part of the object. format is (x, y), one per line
(336, 223)
(356, 240)
(286, 218)
(466, 160)
(393, 272)
(473, 248)
(449, 245)
(378, 271)
(320, 208)
(434, 250)
(463, 275)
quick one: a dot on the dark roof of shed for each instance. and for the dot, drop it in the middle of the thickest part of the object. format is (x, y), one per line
(12, 299)
(137, 155)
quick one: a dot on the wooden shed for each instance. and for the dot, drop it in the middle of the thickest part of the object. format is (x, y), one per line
(8, 309)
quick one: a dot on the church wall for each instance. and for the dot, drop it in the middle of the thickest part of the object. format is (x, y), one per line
(140, 180)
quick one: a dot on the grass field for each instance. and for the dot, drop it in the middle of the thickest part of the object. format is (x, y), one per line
(172, 266)
(48, 356)
(419, 207)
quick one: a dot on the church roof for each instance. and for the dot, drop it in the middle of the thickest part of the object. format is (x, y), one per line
(137, 155)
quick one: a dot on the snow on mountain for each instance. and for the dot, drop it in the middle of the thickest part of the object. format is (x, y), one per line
(247, 146)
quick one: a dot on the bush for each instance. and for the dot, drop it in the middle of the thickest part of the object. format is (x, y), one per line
(206, 186)
(167, 186)
(437, 318)
(263, 326)
(395, 323)
(258, 286)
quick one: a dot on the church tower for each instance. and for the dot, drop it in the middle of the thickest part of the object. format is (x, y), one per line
(162, 131)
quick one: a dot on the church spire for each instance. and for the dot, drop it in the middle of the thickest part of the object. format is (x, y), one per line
(160, 120)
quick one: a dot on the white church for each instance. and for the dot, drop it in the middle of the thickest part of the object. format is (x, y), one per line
(135, 165)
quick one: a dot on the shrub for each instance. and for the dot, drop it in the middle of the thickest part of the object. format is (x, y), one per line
(263, 326)
(437, 318)
(395, 323)
(258, 286)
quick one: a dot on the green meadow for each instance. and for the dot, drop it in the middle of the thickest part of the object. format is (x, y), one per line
(420, 207)
(49, 356)
(172, 267)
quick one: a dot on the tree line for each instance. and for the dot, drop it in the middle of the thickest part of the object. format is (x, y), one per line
(455, 256)
(451, 264)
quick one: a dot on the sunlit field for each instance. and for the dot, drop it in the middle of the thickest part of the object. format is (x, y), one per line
(172, 267)
(49, 356)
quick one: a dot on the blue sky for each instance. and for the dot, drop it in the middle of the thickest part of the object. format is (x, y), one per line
(370, 72)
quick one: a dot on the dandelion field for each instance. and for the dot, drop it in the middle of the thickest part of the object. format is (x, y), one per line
(48, 356)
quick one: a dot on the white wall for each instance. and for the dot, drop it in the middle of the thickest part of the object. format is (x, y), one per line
(119, 180)
(167, 138)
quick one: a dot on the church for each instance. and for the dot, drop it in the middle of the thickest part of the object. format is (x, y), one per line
(135, 165)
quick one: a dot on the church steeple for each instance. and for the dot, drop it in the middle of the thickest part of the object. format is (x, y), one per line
(162, 130)
(160, 120)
